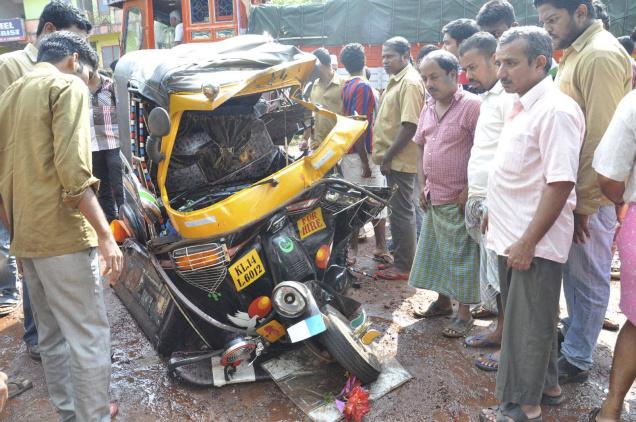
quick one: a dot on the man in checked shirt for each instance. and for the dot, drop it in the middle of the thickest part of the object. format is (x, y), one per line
(107, 165)
(447, 259)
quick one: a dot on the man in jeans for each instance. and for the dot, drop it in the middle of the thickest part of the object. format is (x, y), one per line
(107, 165)
(596, 72)
(394, 128)
(48, 201)
(56, 16)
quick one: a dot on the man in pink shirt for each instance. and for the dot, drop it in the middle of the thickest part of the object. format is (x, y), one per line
(447, 259)
(530, 210)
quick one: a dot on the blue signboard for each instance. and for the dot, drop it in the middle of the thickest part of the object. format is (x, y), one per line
(12, 30)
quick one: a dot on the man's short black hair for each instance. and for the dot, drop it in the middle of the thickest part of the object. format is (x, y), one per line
(61, 44)
(460, 29)
(569, 5)
(496, 11)
(627, 43)
(424, 51)
(484, 42)
(601, 13)
(322, 54)
(399, 44)
(447, 61)
(63, 16)
(352, 57)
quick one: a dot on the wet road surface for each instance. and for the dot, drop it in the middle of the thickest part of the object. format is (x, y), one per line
(446, 384)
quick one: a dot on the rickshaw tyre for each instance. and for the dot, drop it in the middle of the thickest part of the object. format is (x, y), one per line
(338, 340)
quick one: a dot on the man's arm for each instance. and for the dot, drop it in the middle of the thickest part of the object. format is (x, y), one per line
(3, 215)
(363, 95)
(72, 159)
(108, 249)
(602, 85)
(553, 199)
(412, 100)
(404, 136)
(421, 176)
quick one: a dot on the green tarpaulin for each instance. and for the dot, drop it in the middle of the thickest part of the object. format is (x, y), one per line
(339, 22)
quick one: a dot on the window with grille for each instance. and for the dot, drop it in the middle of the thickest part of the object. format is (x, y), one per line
(199, 11)
(224, 10)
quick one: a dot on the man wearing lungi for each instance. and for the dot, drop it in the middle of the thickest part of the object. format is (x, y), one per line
(447, 258)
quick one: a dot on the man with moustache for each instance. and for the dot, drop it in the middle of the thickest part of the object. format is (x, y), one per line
(477, 57)
(530, 203)
(447, 259)
(394, 127)
(596, 72)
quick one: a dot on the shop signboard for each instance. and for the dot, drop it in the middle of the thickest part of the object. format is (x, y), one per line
(12, 30)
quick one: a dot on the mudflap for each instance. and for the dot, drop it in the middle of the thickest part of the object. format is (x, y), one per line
(142, 291)
(204, 369)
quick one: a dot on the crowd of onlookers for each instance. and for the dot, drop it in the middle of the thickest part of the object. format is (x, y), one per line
(521, 168)
(512, 173)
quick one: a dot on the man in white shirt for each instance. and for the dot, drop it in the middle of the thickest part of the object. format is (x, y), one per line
(477, 57)
(531, 222)
(175, 22)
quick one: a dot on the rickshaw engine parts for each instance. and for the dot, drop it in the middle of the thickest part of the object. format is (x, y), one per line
(290, 298)
(220, 149)
(238, 350)
(202, 266)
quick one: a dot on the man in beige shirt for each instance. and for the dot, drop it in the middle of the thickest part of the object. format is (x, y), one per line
(55, 16)
(48, 203)
(326, 92)
(394, 128)
(596, 72)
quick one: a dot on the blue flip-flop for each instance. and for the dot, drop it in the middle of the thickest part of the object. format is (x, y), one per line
(491, 360)
(480, 340)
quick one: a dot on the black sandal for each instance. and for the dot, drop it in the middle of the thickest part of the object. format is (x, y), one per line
(18, 386)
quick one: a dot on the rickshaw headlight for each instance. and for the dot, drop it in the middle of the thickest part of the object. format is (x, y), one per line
(289, 299)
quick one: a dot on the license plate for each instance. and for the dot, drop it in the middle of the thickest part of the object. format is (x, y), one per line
(247, 270)
(311, 223)
(272, 331)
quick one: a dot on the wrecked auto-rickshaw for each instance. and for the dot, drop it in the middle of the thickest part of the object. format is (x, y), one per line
(235, 249)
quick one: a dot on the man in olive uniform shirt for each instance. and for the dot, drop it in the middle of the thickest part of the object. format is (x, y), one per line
(48, 203)
(596, 72)
(56, 16)
(326, 91)
(394, 151)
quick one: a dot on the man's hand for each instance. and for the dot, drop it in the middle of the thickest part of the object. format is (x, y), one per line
(303, 145)
(112, 256)
(461, 200)
(4, 390)
(520, 255)
(20, 266)
(366, 170)
(581, 229)
(423, 199)
(385, 168)
(484, 224)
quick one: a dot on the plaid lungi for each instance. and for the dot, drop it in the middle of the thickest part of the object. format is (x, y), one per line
(447, 259)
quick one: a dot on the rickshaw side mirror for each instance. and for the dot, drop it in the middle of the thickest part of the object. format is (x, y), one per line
(159, 122)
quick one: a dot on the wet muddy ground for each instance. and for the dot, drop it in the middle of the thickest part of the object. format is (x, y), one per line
(446, 384)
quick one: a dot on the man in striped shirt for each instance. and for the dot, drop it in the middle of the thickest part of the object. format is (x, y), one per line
(107, 165)
(358, 99)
